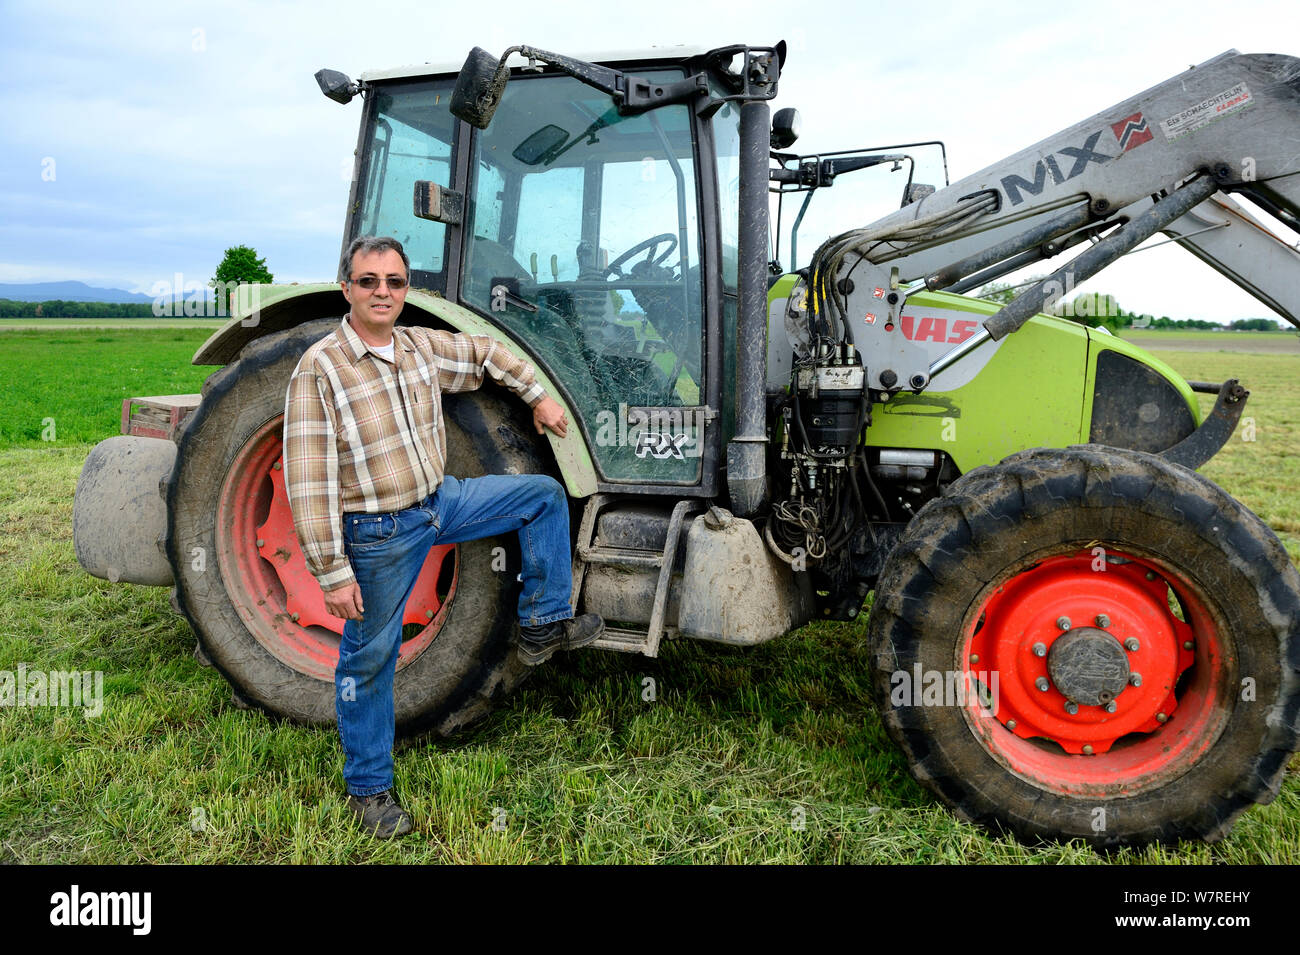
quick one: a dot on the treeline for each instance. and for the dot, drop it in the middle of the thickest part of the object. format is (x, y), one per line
(60, 309)
(1100, 309)
(1255, 325)
(1129, 320)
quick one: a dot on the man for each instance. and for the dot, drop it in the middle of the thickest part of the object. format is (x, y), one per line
(364, 454)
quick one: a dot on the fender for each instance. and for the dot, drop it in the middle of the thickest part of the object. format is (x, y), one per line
(277, 307)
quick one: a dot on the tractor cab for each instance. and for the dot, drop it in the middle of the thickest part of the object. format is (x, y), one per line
(603, 240)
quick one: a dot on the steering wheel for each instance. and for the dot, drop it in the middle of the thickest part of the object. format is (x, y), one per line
(614, 269)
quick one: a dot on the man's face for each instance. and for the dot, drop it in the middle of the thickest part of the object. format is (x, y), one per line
(374, 311)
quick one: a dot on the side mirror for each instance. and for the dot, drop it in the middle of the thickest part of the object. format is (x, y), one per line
(479, 86)
(438, 203)
(337, 86)
(785, 127)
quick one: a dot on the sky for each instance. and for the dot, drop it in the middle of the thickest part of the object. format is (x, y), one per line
(139, 140)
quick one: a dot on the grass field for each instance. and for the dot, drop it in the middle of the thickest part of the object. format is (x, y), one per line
(66, 386)
(7, 324)
(1196, 340)
(574, 767)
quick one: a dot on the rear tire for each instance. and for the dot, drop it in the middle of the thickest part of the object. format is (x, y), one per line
(988, 571)
(464, 659)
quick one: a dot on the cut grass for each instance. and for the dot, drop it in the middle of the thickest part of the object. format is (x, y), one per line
(1259, 464)
(738, 750)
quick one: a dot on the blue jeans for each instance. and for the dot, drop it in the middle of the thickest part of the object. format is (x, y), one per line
(387, 552)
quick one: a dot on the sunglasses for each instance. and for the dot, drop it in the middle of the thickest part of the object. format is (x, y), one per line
(371, 282)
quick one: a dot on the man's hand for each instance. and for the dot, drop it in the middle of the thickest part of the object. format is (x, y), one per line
(549, 413)
(345, 602)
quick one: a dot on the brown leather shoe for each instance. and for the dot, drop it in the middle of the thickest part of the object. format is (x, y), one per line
(381, 815)
(537, 644)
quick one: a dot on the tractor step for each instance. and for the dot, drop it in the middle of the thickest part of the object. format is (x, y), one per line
(625, 556)
(626, 640)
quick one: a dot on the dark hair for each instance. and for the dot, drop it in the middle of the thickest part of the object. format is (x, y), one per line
(368, 244)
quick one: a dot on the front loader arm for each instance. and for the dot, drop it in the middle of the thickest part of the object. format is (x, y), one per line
(1223, 235)
(1163, 160)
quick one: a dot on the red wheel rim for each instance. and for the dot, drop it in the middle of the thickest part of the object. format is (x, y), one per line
(266, 574)
(1157, 726)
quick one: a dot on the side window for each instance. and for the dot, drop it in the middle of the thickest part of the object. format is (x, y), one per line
(490, 196)
(411, 139)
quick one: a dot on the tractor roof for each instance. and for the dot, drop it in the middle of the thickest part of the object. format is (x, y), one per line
(674, 53)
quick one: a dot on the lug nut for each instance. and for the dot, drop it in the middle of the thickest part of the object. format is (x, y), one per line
(1011, 725)
(260, 542)
(1151, 575)
(1112, 706)
(1063, 623)
(1040, 649)
(277, 465)
(1162, 718)
(1071, 707)
(428, 615)
(1103, 621)
(1042, 683)
(1132, 645)
(974, 658)
(1135, 679)
(294, 617)
(1189, 645)
(1087, 749)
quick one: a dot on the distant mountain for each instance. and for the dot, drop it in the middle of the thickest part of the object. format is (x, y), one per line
(69, 292)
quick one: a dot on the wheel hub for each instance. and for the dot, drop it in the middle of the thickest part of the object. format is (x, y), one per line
(1089, 666)
(1083, 688)
(266, 573)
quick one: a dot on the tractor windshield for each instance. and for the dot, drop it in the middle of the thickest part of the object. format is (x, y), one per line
(585, 245)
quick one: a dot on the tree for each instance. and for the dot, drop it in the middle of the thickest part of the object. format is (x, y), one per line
(1000, 292)
(240, 266)
(1254, 325)
(1096, 309)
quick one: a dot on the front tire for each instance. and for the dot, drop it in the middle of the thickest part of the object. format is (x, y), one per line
(242, 601)
(1176, 701)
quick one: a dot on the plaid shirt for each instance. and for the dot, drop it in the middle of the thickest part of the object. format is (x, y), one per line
(365, 434)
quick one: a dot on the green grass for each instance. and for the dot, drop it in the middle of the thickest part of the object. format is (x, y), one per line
(8, 324)
(1207, 333)
(1260, 464)
(737, 743)
(1202, 338)
(66, 386)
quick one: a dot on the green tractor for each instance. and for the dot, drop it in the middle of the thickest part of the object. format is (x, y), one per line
(1075, 635)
